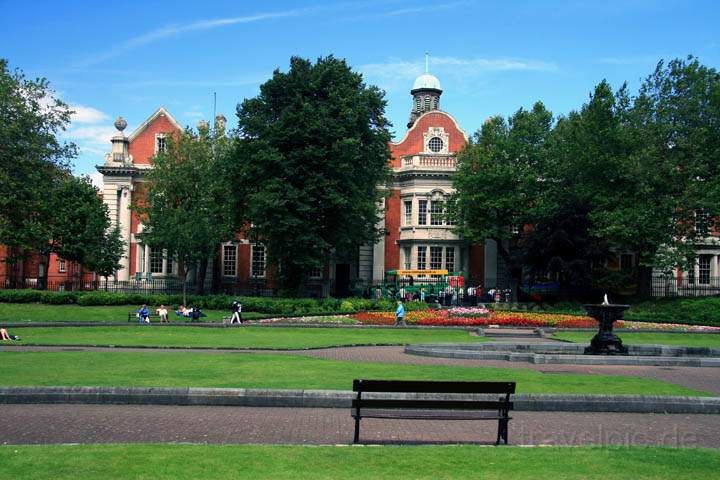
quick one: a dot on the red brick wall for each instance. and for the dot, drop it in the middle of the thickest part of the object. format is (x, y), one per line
(142, 148)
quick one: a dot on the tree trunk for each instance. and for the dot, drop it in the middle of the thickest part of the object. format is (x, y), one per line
(644, 281)
(200, 276)
(511, 266)
(183, 271)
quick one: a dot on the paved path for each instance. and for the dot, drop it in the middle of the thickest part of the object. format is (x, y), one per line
(35, 424)
(706, 378)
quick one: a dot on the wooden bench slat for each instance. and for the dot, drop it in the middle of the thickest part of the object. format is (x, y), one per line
(432, 386)
(433, 404)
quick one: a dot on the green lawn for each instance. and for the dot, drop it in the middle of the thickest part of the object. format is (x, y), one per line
(243, 337)
(139, 461)
(183, 369)
(35, 312)
(631, 338)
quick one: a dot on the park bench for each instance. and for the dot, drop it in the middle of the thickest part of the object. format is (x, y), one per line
(133, 316)
(431, 400)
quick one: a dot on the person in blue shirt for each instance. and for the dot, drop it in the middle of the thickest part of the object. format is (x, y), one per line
(400, 315)
(144, 315)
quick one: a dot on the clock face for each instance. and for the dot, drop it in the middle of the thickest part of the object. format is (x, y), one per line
(435, 144)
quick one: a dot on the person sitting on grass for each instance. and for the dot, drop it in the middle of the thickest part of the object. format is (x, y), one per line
(4, 335)
(196, 313)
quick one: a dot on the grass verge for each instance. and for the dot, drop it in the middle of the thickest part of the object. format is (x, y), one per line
(183, 369)
(243, 337)
(36, 312)
(631, 338)
(332, 462)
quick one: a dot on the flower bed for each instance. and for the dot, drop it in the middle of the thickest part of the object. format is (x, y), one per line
(478, 317)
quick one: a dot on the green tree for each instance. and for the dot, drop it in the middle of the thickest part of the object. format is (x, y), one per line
(31, 157)
(77, 227)
(655, 166)
(499, 181)
(185, 203)
(311, 155)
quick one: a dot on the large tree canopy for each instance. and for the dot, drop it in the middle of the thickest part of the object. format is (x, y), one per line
(43, 208)
(637, 174)
(31, 156)
(311, 155)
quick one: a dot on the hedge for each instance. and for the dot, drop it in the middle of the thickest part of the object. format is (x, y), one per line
(278, 306)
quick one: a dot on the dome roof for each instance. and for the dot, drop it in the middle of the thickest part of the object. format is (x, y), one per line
(427, 81)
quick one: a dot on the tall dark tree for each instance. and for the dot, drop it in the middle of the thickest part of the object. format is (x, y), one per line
(499, 181)
(311, 156)
(31, 156)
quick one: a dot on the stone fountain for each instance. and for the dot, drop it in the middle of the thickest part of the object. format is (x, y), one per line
(605, 342)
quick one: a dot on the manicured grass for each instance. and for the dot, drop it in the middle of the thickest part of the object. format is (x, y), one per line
(334, 462)
(238, 337)
(631, 338)
(183, 369)
(35, 312)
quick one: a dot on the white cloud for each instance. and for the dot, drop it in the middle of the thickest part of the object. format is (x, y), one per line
(178, 28)
(422, 9)
(85, 114)
(97, 179)
(452, 66)
(93, 134)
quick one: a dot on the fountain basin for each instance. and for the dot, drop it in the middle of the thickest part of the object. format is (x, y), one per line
(573, 353)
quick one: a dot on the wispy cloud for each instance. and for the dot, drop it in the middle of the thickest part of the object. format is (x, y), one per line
(423, 9)
(453, 66)
(179, 28)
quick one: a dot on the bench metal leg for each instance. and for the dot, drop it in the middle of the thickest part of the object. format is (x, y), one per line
(356, 438)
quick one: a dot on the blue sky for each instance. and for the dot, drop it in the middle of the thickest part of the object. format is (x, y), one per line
(492, 57)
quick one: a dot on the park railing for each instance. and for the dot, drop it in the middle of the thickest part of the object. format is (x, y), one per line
(685, 286)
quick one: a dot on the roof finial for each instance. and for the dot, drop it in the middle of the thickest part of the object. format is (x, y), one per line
(427, 62)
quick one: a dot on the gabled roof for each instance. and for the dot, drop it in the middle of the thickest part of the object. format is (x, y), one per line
(426, 114)
(160, 111)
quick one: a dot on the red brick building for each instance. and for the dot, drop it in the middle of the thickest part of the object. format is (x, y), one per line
(417, 235)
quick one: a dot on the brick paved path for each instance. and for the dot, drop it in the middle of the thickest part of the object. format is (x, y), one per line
(33, 424)
(706, 378)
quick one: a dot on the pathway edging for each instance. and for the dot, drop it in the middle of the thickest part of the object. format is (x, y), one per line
(337, 399)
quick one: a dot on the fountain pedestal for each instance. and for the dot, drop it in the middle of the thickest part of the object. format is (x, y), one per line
(605, 342)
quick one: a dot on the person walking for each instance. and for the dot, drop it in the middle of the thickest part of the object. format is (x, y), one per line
(400, 315)
(236, 312)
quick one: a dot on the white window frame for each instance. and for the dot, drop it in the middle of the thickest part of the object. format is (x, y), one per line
(436, 213)
(253, 248)
(158, 137)
(408, 212)
(436, 261)
(316, 273)
(407, 260)
(422, 212)
(450, 252)
(61, 265)
(421, 257)
(229, 247)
